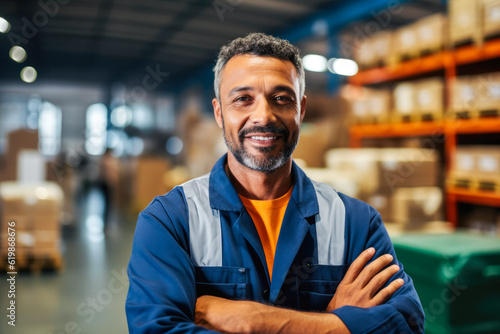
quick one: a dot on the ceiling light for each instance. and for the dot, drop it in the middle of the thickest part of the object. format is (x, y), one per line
(4, 25)
(18, 54)
(315, 63)
(342, 66)
(28, 74)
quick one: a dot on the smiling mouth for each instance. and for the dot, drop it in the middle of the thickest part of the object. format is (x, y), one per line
(262, 138)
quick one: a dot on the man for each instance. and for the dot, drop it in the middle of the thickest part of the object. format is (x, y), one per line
(252, 246)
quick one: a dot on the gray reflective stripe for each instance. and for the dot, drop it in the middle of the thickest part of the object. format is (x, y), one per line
(205, 240)
(330, 225)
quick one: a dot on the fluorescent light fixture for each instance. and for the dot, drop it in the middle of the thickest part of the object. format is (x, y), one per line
(4, 25)
(18, 54)
(342, 66)
(315, 63)
(28, 74)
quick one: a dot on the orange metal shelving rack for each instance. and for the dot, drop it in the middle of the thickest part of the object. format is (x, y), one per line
(445, 60)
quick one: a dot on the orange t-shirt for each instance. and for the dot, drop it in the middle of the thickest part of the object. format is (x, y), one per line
(267, 216)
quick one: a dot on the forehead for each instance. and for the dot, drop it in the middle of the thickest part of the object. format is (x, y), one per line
(251, 69)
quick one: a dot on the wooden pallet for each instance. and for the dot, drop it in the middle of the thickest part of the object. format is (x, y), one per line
(371, 119)
(476, 184)
(35, 262)
(474, 114)
(415, 117)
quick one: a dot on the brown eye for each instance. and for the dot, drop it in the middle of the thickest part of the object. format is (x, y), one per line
(283, 99)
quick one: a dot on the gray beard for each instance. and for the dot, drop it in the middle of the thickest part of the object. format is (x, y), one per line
(266, 164)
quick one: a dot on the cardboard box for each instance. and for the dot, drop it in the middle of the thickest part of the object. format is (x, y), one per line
(382, 47)
(464, 21)
(463, 164)
(404, 99)
(44, 239)
(363, 53)
(371, 106)
(32, 207)
(406, 41)
(491, 17)
(408, 167)
(431, 227)
(431, 33)
(315, 140)
(476, 164)
(429, 98)
(344, 181)
(148, 180)
(382, 203)
(464, 96)
(487, 87)
(362, 162)
(18, 140)
(412, 207)
(488, 163)
(384, 170)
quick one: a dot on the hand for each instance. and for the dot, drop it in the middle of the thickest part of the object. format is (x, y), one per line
(224, 315)
(240, 316)
(361, 284)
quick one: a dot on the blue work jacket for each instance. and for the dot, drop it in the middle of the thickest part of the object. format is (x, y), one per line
(199, 239)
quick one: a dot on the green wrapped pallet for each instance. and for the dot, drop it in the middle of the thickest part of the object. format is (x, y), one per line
(457, 277)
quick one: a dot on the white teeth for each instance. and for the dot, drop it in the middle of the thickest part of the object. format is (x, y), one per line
(262, 138)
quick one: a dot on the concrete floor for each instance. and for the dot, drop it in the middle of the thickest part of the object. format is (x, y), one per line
(89, 295)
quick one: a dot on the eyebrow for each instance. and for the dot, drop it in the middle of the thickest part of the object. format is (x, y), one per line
(240, 89)
(280, 88)
(283, 88)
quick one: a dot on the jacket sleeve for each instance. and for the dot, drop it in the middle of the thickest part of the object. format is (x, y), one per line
(162, 292)
(402, 313)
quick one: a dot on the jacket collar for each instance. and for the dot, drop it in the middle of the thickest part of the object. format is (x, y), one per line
(223, 195)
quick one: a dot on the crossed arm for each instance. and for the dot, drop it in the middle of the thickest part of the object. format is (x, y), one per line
(362, 286)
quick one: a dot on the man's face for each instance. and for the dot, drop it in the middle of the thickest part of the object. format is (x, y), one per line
(260, 110)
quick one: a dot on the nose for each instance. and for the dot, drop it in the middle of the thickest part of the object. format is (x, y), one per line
(263, 114)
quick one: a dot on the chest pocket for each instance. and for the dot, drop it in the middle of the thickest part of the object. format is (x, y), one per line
(225, 282)
(318, 286)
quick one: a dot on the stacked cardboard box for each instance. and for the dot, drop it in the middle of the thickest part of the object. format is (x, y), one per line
(476, 96)
(464, 21)
(419, 100)
(476, 167)
(491, 17)
(314, 141)
(371, 106)
(431, 33)
(413, 207)
(35, 209)
(382, 47)
(488, 88)
(406, 42)
(404, 101)
(429, 102)
(363, 53)
(379, 173)
(463, 96)
(147, 180)
(17, 141)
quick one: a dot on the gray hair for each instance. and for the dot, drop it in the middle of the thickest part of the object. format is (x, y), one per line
(259, 44)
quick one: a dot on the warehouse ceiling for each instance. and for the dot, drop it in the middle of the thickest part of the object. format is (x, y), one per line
(109, 40)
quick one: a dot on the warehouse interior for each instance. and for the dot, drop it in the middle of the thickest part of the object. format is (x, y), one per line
(106, 104)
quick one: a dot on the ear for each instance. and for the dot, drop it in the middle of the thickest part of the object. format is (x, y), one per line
(217, 112)
(303, 108)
